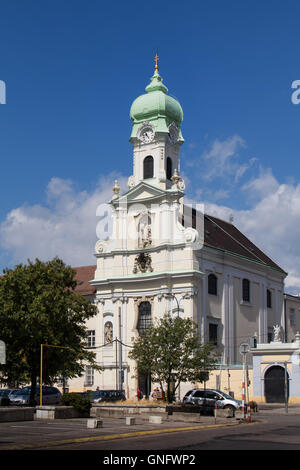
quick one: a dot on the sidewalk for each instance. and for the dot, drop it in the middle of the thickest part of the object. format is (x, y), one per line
(279, 408)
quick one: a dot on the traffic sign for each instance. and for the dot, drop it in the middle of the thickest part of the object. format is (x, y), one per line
(244, 348)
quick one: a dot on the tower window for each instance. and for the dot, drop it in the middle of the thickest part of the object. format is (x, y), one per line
(212, 284)
(148, 167)
(246, 290)
(169, 168)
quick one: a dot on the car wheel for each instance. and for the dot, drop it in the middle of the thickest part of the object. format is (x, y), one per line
(230, 407)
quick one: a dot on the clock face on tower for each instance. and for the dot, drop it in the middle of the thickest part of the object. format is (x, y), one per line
(146, 133)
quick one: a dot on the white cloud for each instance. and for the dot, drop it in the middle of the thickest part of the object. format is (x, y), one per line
(263, 185)
(221, 158)
(64, 227)
(272, 223)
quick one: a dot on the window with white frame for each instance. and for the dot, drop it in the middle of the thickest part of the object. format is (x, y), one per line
(91, 338)
(89, 376)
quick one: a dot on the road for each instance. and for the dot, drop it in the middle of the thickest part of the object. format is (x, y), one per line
(271, 430)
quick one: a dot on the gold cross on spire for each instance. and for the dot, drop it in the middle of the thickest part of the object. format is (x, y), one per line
(156, 61)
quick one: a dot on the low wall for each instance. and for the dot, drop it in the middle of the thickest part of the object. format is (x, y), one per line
(59, 412)
(168, 413)
(19, 413)
(119, 411)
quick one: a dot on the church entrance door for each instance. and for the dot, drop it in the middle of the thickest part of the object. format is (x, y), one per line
(144, 383)
(274, 385)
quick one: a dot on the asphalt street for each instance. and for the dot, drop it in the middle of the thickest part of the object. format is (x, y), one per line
(271, 429)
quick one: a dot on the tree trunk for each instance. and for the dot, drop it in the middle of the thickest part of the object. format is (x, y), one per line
(32, 400)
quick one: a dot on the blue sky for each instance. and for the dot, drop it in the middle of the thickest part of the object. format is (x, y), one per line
(72, 70)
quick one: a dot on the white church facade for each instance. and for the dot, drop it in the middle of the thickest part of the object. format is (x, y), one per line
(163, 255)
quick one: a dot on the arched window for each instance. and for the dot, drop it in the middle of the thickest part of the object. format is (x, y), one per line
(148, 167)
(213, 284)
(169, 168)
(246, 290)
(144, 320)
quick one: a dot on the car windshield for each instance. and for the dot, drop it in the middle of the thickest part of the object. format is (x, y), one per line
(26, 391)
(226, 396)
(23, 391)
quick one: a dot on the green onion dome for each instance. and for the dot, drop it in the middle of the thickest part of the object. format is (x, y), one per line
(157, 107)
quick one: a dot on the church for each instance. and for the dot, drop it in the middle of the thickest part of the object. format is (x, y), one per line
(163, 255)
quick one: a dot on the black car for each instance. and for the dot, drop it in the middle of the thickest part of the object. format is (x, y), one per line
(100, 396)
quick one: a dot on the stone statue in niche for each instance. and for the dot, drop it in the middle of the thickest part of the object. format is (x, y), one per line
(108, 332)
(145, 238)
(277, 338)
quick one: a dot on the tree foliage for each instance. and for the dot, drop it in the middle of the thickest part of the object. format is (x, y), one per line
(171, 353)
(38, 305)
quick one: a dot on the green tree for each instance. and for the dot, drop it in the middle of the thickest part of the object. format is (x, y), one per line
(38, 305)
(171, 353)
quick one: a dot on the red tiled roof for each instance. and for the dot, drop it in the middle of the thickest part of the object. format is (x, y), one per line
(83, 275)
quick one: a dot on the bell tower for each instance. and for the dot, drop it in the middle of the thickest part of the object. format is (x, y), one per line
(156, 135)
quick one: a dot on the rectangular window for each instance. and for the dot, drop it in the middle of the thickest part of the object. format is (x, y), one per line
(269, 298)
(89, 376)
(246, 290)
(213, 334)
(91, 339)
(292, 317)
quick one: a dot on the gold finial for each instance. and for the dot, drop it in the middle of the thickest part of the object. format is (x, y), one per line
(156, 61)
(116, 189)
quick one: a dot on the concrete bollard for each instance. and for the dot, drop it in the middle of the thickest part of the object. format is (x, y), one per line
(94, 423)
(130, 421)
(155, 419)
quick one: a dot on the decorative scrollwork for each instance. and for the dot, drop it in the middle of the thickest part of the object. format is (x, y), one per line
(142, 263)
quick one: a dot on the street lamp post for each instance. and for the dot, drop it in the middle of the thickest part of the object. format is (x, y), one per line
(177, 301)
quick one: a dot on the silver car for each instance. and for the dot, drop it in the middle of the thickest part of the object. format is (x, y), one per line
(51, 396)
(210, 398)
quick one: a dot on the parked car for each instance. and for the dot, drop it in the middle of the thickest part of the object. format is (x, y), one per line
(50, 396)
(209, 398)
(100, 396)
(4, 396)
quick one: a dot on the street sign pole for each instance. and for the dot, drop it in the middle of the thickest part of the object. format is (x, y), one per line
(244, 349)
(2, 352)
